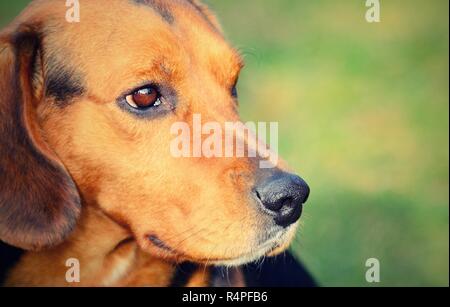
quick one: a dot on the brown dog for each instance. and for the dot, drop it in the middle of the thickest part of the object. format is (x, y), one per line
(86, 110)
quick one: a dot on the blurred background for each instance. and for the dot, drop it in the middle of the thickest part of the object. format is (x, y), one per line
(364, 118)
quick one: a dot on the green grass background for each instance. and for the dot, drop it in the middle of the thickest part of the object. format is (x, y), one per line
(363, 111)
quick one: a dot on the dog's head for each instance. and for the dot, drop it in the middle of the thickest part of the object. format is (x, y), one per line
(87, 111)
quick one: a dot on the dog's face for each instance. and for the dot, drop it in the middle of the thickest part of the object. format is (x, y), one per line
(111, 88)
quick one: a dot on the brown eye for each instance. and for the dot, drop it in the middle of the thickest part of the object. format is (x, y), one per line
(144, 98)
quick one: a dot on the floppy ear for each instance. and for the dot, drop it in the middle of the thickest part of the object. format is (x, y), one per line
(39, 203)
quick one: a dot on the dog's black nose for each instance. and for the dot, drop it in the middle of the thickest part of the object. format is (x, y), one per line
(283, 195)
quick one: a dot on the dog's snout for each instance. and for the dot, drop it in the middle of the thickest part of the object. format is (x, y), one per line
(283, 195)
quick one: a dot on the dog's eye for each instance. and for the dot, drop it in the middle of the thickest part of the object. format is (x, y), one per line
(144, 98)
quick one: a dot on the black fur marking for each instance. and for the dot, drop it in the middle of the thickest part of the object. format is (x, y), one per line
(9, 257)
(62, 83)
(281, 271)
(160, 8)
(183, 273)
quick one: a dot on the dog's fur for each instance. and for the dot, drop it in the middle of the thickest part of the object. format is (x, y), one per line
(82, 178)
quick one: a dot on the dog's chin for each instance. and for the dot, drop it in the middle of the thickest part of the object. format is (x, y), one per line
(284, 245)
(277, 244)
(267, 246)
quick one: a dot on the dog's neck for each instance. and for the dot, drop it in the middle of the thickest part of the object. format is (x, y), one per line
(108, 256)
(106, 253)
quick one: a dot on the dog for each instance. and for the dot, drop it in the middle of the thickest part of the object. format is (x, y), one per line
(85, 171)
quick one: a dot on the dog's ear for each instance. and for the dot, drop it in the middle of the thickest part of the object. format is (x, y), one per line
(39, 202)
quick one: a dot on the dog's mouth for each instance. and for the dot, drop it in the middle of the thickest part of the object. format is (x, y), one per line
(268, 247)
(160, 244)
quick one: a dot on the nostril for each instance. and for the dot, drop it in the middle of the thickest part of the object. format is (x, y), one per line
(270, 201)
(289, 215)
(275, 205)
(286, 204)
(278, 205)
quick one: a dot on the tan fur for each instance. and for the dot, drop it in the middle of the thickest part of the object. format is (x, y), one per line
(130, 185)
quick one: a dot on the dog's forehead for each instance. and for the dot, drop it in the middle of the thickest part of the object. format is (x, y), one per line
(165, 9)
(103, 18)
(115, 41)
(161, 7)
